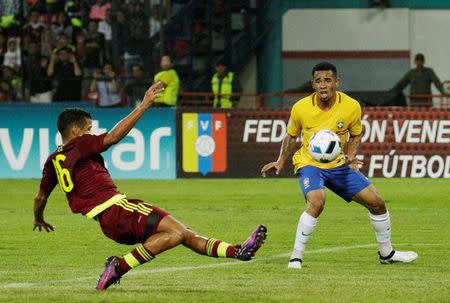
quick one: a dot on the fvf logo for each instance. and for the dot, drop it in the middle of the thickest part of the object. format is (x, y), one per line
(204, 124)
(204, 142)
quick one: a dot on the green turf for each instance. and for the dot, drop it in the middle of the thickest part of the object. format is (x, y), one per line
(341, 264)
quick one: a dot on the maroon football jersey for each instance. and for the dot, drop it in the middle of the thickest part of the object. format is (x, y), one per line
(80, 171)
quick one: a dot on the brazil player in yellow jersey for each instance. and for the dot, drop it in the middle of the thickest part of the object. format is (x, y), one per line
(330, 109)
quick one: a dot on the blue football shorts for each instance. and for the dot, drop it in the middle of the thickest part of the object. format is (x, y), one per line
(343, 180)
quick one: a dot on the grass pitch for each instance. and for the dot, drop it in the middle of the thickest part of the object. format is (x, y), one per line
(341, 264)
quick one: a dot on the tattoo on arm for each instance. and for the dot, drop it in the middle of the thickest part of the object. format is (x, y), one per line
(353, 146)
(288, 146)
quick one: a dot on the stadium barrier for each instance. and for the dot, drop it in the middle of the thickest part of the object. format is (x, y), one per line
(397, 142)
(286, 100)
(28, 135)
(203, 142)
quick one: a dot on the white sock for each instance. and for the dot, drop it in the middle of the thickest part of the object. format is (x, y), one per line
(305, 227)
(382, 227)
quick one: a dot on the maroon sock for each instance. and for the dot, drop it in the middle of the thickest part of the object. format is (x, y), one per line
(225, 250)
(231, 251)
(123, 267)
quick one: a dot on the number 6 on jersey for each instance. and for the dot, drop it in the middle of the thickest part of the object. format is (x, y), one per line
(63, 174)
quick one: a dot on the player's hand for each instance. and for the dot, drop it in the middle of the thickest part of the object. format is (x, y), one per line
(354, 163)
(155, 91)
(45, 225)
(278, 166)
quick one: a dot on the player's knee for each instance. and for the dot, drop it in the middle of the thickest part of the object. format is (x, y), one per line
(179, 235)
(378, 207)
(316, 206)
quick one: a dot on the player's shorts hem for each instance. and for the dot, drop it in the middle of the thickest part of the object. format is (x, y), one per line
(151, 226)
(342, 180)
(130, 222)
(350, 199)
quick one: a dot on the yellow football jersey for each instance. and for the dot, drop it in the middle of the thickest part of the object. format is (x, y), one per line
(307, 118)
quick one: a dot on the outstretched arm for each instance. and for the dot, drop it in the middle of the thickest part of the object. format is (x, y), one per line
(124, 126)
(404, 81)
(352, 149)
(288, 146)
(39, 205)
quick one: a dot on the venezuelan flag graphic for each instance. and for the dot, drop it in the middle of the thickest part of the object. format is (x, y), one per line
(204, 142)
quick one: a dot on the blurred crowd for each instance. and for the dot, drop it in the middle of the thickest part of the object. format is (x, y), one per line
(63, 50)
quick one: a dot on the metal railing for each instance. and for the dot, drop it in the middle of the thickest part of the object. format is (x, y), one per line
(256, 101)
(286, 100)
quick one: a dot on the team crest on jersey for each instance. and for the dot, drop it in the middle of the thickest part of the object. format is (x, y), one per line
(340, 124)
(306, 182)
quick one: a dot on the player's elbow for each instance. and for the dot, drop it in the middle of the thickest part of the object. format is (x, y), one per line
(111, 139)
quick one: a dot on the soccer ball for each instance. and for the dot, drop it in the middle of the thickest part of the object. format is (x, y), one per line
(324, 146)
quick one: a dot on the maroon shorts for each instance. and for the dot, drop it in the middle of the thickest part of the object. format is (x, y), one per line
(130, 221)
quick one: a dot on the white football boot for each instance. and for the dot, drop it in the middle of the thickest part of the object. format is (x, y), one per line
(295, 263)
(398, 256)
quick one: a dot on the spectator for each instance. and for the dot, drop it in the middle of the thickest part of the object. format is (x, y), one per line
(224, 83)
(177, 5)
(12, 56)
(104, 27)
(54, 7)
(46, 43)
(3, 47)
(107, 86)
(155, 20)
(66, 72)
(420, 79)
(137, 85)
(98, 10)
(76, 11)
(34, 27)
(137, 36)
(6, 92)
(64, 42)
(40, 88)
(94, 43)
(121, 32)
(169, 77)
(23, 43)
(79, 40)
(15, 83)
(61, 26)
(10, 25)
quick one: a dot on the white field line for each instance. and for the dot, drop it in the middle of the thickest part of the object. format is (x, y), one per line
(204, 266)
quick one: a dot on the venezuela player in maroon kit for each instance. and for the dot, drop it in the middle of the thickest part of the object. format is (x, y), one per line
(78, 167)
